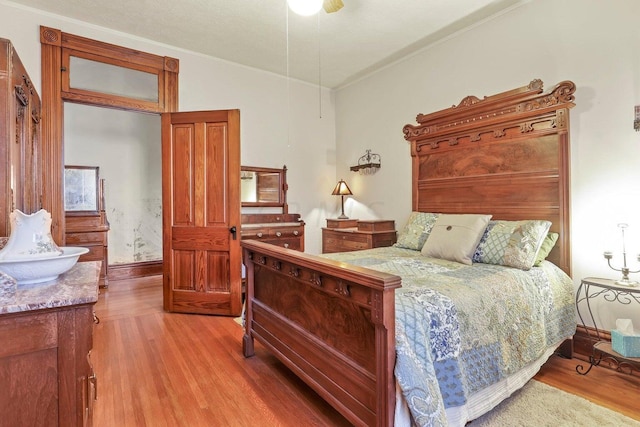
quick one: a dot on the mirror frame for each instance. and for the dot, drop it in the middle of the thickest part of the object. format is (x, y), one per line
(282, 196)
(90, 176)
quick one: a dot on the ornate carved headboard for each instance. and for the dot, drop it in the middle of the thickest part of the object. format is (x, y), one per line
(506, 155)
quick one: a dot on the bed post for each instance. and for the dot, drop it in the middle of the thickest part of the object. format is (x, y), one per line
(383, 314)
(247, 339)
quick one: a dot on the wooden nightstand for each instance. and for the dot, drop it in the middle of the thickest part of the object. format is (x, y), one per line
(354, 235)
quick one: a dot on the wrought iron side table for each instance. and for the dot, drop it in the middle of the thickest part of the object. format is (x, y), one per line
(592, 287)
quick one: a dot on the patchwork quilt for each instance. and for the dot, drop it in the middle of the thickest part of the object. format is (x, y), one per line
(461, 328)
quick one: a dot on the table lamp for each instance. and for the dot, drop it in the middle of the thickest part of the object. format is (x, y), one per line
(342, 189)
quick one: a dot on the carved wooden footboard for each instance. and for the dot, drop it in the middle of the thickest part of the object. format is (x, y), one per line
(331, 323)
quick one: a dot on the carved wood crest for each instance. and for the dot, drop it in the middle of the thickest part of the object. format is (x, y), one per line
(475, 119)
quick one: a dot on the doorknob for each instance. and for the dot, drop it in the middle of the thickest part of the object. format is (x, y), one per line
(233, 231)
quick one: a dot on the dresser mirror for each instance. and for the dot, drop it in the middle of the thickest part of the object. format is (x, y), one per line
(267, 188)
(263, 187)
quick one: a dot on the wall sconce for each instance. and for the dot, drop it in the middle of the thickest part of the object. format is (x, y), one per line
(342, 189)
(367, 164)
(624, 269)
(636, 122)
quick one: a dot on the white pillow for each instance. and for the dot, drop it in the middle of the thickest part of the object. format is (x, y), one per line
(455, 237)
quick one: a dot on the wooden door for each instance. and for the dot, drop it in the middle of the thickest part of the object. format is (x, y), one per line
(201, 212)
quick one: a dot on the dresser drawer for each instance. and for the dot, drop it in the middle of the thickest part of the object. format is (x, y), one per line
(285, 231)
(291, 236)
(254, 233)
(289, 243)
(28, 333)
(80, 239)
(96, 253)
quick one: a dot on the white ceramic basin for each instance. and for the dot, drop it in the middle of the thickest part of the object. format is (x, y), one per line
(42, 269)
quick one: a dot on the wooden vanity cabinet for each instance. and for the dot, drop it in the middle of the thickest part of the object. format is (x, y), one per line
(46, 374)
(45, 367)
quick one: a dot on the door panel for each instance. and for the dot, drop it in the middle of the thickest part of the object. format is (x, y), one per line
(201, 203)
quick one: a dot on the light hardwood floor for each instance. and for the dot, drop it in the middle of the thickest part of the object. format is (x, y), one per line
(167, 369)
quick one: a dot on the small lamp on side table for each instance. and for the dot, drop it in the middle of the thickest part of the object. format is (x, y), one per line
(342, 189)
(625, 281)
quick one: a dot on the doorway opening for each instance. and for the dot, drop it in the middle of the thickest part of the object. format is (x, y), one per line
(126, 147)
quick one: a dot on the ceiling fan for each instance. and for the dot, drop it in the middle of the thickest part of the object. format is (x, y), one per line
(311, 7)
(331, 6)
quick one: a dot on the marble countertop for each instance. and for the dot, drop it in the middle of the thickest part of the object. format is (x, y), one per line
(77, 286)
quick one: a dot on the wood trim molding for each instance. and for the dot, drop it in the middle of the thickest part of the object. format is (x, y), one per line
(584, 338)
(135, 269)
(52, 44)
(52, 125)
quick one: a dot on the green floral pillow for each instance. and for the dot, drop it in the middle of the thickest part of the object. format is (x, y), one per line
(545, 249)
(512, 243)
(416, 231)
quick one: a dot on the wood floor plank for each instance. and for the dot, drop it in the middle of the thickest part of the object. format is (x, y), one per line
(169, 369)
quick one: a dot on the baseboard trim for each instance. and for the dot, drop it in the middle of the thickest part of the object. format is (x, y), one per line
(134, 269)
(584, 338)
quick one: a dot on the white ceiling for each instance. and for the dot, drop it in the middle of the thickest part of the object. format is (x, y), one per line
(331, 49)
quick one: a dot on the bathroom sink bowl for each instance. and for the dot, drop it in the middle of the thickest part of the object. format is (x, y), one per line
(42, 269)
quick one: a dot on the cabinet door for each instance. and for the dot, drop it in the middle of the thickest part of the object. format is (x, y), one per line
(29, 370)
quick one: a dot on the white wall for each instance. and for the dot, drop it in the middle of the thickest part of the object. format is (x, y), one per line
(126, 146)
(594, 43)
(270, 137)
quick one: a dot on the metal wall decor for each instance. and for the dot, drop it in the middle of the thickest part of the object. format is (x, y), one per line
(368, 164)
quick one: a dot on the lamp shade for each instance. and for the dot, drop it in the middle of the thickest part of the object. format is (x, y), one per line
(342, 189)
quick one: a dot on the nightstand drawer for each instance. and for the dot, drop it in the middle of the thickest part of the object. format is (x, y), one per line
(367, 235)
(377, 225)
(333, 244)
(342, 223)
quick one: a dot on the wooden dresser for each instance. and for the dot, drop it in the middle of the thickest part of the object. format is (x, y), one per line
(90, 231)
(47, 335)
(266, 188)
(286, 230)
(345, 235)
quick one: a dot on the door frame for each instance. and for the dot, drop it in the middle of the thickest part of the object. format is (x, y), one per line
(53, 44)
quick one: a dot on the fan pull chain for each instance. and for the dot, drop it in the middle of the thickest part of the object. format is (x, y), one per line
(288, 85)
(319, 71)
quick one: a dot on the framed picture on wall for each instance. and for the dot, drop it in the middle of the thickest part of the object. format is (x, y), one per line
(81, 188)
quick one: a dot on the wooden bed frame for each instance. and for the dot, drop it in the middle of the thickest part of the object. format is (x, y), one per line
(333, 324)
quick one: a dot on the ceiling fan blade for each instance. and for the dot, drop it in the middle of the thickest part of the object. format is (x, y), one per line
(331, 6)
